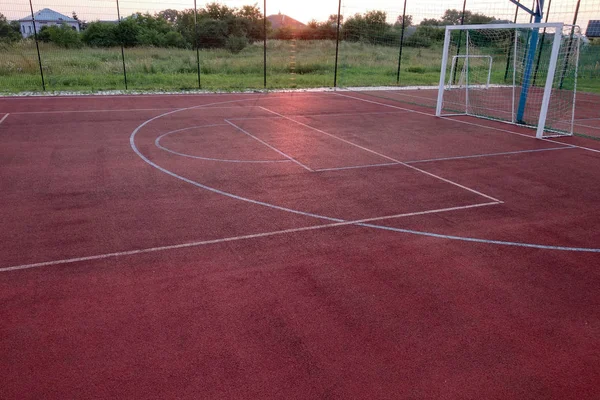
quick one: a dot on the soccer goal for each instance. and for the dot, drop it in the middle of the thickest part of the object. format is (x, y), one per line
(524, 74)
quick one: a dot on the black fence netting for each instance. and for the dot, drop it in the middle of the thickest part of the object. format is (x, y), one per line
(67, 45)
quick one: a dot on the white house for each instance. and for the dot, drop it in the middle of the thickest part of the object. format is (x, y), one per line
(46, 17)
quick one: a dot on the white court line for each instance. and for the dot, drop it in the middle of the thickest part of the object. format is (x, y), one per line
(446, 158)
(388, 157)
(356, 167)
(3, 118)
(158, 139)
(95, 111)
(315, 115)
(234, 238)
(586, 119)
(586, 126)
(490, 154)
(269, 146)
(467, 122)
(334, 220)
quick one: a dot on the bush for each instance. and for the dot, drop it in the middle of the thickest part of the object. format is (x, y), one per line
(100, 34)
(175, 39)
(150, 37)
(236, 44)
(63, 36)
(212, 33)
(126, 32)
(9, 32)
(425, 36)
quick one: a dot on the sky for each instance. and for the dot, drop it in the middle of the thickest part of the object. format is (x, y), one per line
(305, 10)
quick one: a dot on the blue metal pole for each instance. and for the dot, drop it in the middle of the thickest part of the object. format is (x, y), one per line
(529, 64)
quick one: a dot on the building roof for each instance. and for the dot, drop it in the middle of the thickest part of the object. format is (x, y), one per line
(49, 15)
(280, 20)
(593, 29)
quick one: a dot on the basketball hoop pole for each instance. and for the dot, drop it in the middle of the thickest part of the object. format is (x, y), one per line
(529, 63)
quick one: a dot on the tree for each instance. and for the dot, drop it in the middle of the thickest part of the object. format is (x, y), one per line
(169, 15)
(82, 24)
(63, 36)
(376, 19)
(9, 32)
(454, 17)
(430, 22)
(100, 34)
(407, 21)
(216, 11)
(249, 22)
(126, 32)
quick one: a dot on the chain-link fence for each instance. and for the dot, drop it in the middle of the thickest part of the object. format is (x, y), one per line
(236, 44)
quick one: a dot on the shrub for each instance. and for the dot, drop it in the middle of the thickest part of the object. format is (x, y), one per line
(100, 34)
(175, 39)
(212, 33)
(63, 36)
(150, 37)
(9, 32)
(236, 44)
(425, 36)
(126, 32)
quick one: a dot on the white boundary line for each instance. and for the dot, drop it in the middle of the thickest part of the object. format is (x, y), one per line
(490, 154)
(468, 122)
(316, 115)
(356, 167)
(336, 220)
(158, 139)
(276, 207)
(587, 119)
(3, 118)
(269, 146)
(587, 126)
(234, 238)
(94, 111)
(387, 157)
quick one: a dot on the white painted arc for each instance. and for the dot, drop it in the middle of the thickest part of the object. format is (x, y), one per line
(459, 238)
(160, 146)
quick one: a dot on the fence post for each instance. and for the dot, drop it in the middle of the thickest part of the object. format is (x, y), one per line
(196, 43)
(122, 49)
(562, 72)
(509, 55)
(537, 64)
(337, 43)
(401, 43)
(462, 22)
(37, 46)
(265, 44)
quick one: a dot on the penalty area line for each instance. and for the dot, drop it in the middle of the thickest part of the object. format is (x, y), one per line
(234, 238)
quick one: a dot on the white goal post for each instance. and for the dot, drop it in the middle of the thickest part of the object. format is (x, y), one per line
(518, 73)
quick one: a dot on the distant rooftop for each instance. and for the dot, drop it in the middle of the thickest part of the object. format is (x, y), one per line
(47, 14)
(280, 20)
(593, 29)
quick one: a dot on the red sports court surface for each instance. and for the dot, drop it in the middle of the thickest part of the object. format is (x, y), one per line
(586, 118)
(293, 245)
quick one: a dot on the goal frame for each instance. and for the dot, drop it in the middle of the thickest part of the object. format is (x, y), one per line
(558, 26)
(487, 57)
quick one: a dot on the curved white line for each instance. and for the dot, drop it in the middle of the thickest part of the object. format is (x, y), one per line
(421, 233)
(160, 146)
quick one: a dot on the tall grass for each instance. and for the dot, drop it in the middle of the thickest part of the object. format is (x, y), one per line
(290, 64)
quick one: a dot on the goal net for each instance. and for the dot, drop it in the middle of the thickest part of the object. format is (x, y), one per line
(518, 73)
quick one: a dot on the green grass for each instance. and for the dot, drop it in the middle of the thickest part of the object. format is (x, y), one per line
(290, 64)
